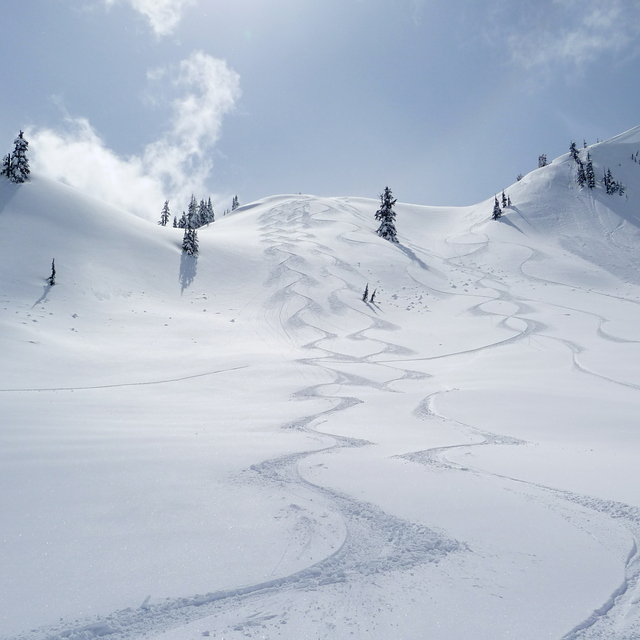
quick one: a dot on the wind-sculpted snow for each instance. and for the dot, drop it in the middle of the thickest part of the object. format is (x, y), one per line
(250, 449)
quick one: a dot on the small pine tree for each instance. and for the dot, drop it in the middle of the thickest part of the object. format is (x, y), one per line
(192, 214)
(373, 296)
(573, 150)
(6, 167)
(165, 215)
(210, 215)
(508, 201)
(19, 162)
(590, 175)
(504, 200)
(608, 182)
(519, 177)
(581, 176)
(387, 216)
(183, 222)
(542, 160)
(190, 242)
(497, 212)
(234, 203)
(365, 295)
(52, 278)
(175, 222)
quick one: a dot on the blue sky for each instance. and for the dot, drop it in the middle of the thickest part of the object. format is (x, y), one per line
(445, 101)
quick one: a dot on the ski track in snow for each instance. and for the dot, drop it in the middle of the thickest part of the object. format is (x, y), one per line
(374, 542)
(618, 616)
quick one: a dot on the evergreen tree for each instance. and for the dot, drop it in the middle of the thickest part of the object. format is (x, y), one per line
(234, 203)
(175, 222)
(192, 213)
(6, 167)
(19, 162)
(508, 201)
(608, 182)
(211, 217)
(519, 177)
(182, 223)
(365, 295)
(497, 213)
(581, 176)
(165, 216)
(201, 217)
(590, 175)
(373, 296)
(542, 160)
(190, 242)
(387, 216)
(573, 150)
(52, 278)
(504, 200)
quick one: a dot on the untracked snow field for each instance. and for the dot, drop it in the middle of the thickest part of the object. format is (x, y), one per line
(238, 446)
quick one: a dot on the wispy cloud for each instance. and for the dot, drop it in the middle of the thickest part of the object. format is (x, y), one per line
(574, 33)
(174, 167)
(163, 15)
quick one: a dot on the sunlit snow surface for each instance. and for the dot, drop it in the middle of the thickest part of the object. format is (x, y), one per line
(238, 446)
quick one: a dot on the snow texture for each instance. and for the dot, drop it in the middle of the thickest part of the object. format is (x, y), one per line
(236, 445)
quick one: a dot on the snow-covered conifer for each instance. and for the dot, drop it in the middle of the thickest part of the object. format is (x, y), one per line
(19, 162)
(175, 222)
(581, 176)
(504, 200)
(590, 175)
(519, 177)
(573, 150)
(497, 212)
(190, 242)
(365, 295)
(164, 215)
(542, 160)
(6, 167)
(234, 203)
(387, 216)
(182, 223)
(192, 214)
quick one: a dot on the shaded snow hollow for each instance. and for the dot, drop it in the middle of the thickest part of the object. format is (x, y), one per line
(238, 446)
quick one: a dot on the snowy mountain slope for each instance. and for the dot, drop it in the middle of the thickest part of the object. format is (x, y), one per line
(243, 439)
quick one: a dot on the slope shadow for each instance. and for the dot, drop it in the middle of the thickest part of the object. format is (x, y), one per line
(188, 270)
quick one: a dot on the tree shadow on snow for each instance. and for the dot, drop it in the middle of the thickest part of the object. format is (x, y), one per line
(43, 297)
(188, 270)
(412, 256)
(8, 189)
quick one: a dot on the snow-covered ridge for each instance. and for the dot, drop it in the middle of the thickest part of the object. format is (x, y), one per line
(236, 445)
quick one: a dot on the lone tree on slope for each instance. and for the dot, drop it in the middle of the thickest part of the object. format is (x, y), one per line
(387, 216)
(19, 162)
(52, 278)
(165, 215)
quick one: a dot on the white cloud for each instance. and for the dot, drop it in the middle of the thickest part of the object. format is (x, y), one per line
(570, 32)
(163, 15)
(173, 167)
